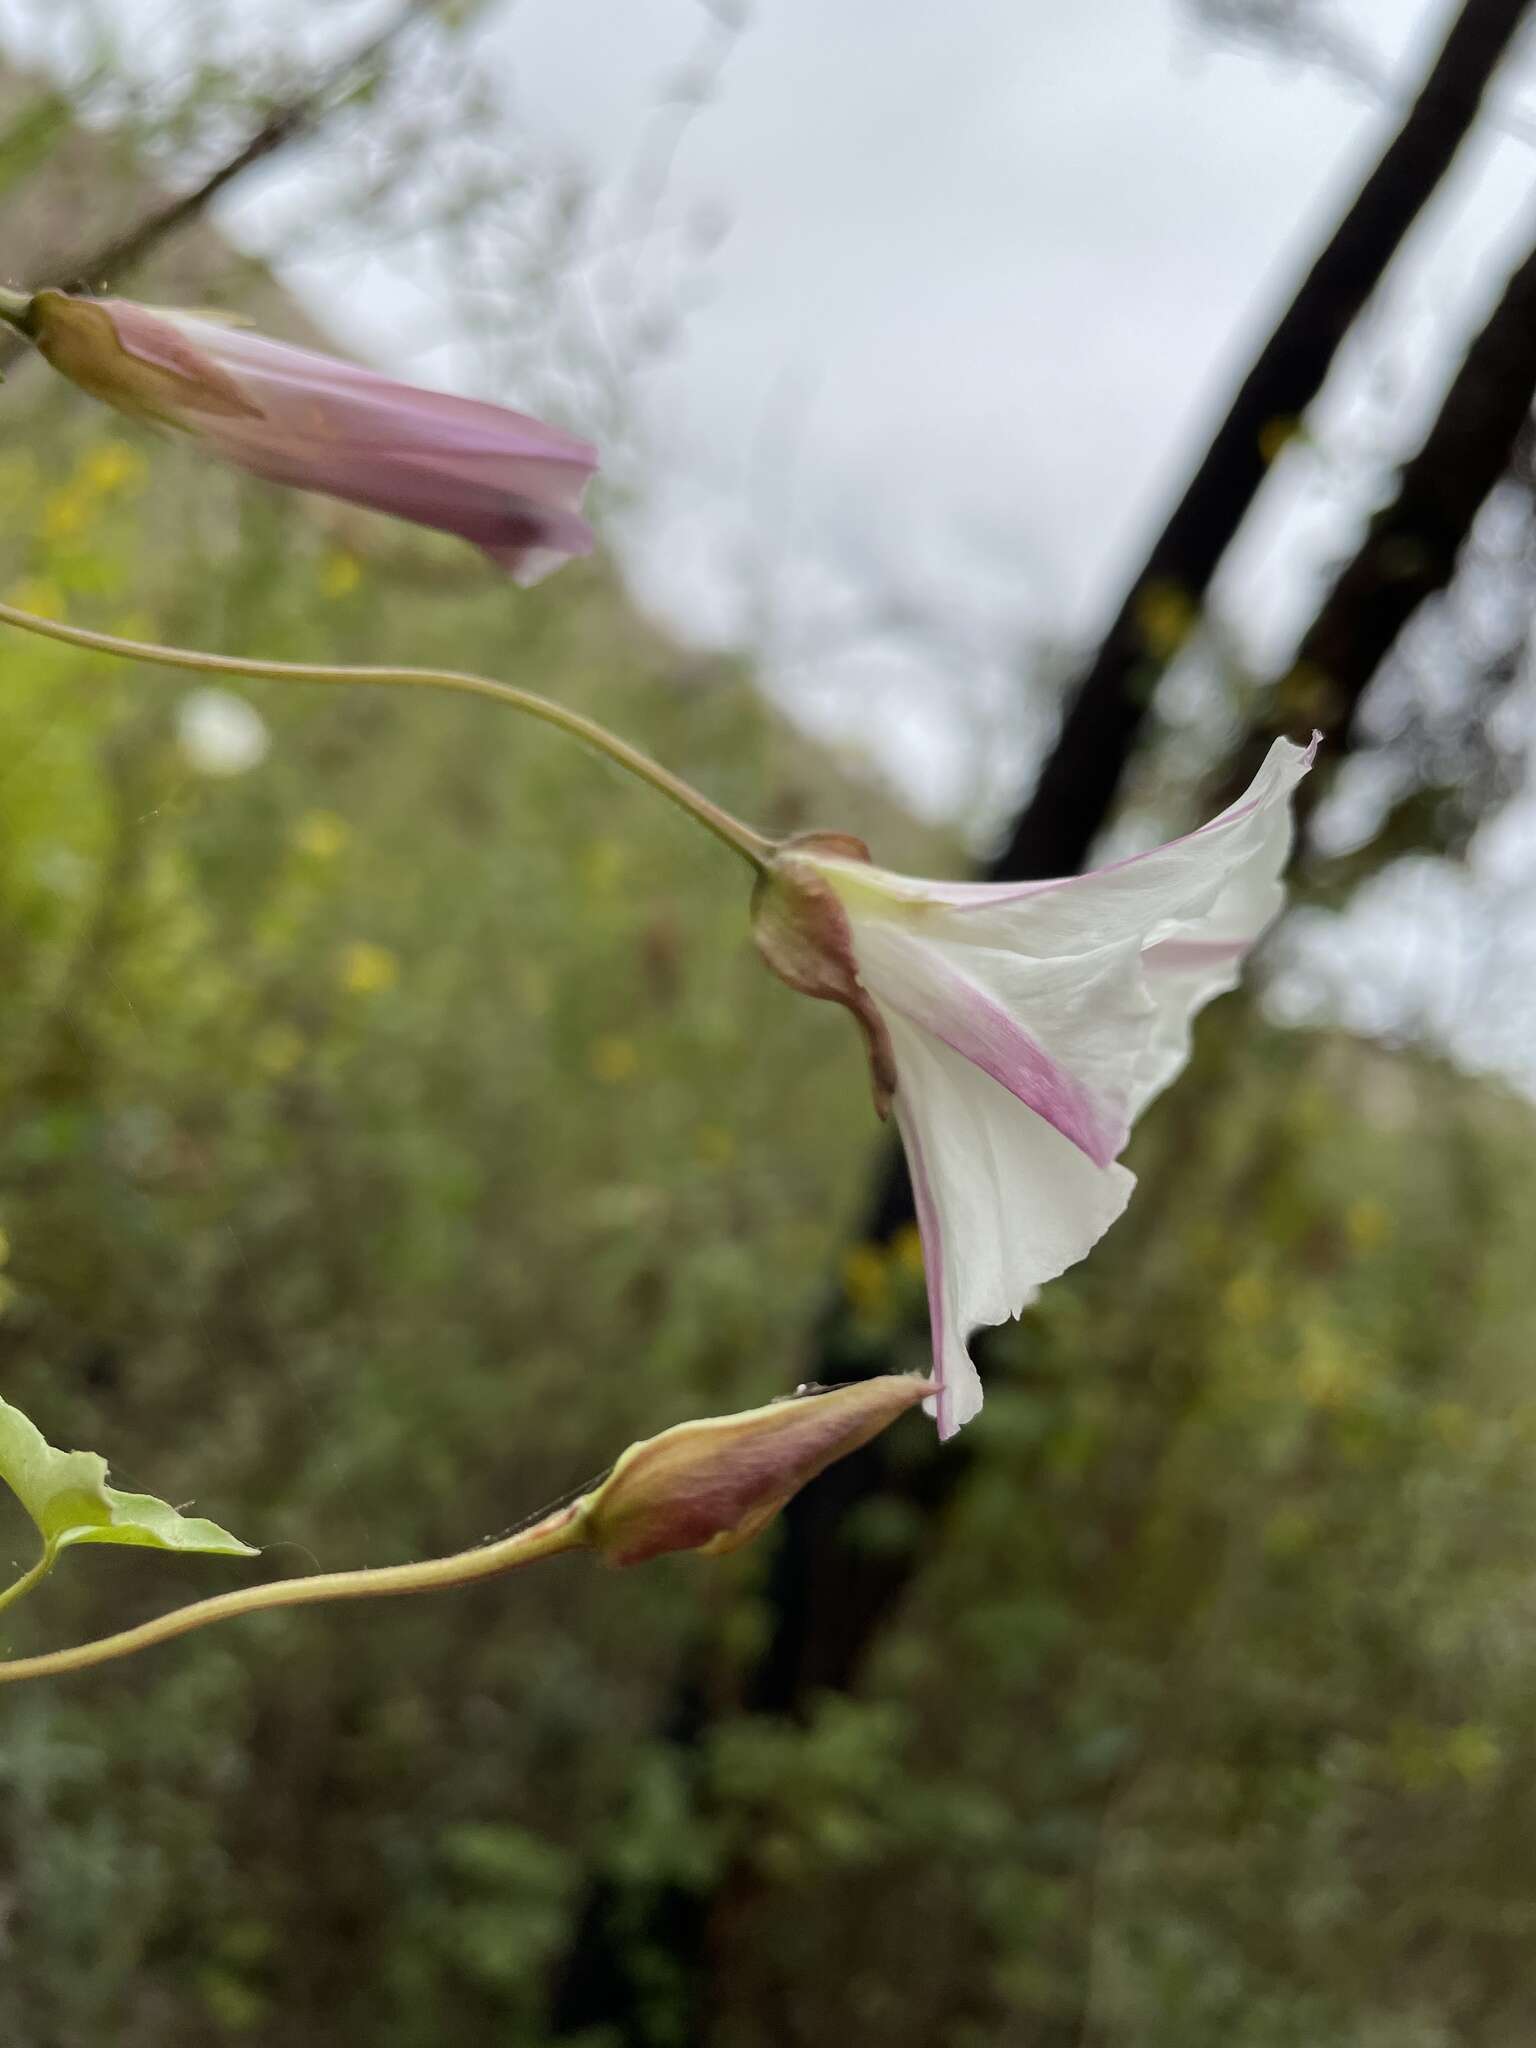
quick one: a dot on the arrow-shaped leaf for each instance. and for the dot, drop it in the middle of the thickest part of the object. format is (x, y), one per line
(67, 1495)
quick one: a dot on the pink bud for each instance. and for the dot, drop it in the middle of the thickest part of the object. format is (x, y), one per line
(508, 483)
(713, 1485)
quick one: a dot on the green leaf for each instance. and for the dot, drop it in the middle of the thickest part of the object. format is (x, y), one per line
(67, 1495)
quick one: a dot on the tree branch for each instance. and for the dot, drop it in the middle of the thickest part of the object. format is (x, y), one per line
(1410, 548)
(87, 271)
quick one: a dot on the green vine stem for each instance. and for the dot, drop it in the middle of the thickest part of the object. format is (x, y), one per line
(31, 1578)
(559, 1532)
(752, 846)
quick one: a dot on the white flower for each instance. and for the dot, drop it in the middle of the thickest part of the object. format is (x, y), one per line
(1019, 1029)
(220, 733)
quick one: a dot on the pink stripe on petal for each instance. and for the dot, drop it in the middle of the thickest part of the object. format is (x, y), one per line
(972, 1024)
(933, 1267)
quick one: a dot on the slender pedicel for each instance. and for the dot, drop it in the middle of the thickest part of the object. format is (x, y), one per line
(561, 1531)
(29, 1579)
(752, 846)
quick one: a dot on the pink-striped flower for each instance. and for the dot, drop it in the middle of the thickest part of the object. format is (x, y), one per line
(1019, 1029)
(509, 484)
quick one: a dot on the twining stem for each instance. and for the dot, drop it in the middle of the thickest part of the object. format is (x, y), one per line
(564, 1530)
(751, 845)
(28, 1580)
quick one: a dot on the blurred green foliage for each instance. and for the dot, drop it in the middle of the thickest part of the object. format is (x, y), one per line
(394, 1131)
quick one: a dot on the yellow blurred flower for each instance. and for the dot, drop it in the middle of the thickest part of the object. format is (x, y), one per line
(1423, 1757)
(320, 835)
(613, 1059)
(601, 865)
(1248, 1298)
(1166, 617)
(279, 1049)
(1308, 695)
(340, 575)
(113, 466)
(866, 1280)
(1451, 1423)
(1289, 1530)
(1368, 1224)
(1277, 434)
(65, 514)
(715, 1145)
(1327, 1376)
(39, 594)
(907, 1250)
(1473, 1752)
(366, 969)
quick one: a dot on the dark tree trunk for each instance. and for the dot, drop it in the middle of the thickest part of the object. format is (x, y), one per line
(1411, 546)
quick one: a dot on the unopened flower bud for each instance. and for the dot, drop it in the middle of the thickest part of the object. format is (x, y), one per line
(508, 483)
(712, 1485)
